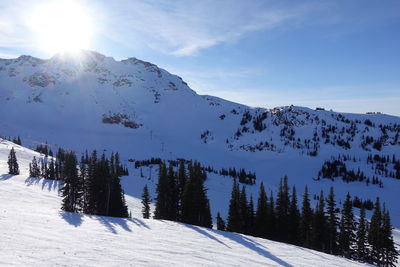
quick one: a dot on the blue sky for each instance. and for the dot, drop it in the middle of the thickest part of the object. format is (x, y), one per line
(342, 55)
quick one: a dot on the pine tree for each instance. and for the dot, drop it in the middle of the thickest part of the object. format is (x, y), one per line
(333, 222)
(34, 170)
(375, 238)
(243, 212)
(173, 194)
(234, 224)
(195, 204)
(43, 168)
(146, 203)
(250, 217)
(319, 227)
(261, 216)
(13, 167)
(51, 170)
(271, 219)
(305, 230)
(83, 175)
(90, 206)
(117, 206)
(220, 223)
(161, 210)
(282, 211)
(294, 218)
(347, 229)
(361, 237)
(71, 190)
(103, 185)
(389, 251)
(182, 177)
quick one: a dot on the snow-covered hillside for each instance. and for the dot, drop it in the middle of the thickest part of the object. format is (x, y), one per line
(33, 231)
(90, 101)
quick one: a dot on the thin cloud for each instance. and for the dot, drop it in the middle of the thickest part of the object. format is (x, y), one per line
(184, 28)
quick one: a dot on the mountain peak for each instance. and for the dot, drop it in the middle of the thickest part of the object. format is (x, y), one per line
(81, 56)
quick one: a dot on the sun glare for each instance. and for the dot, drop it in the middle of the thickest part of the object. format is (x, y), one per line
(62, 26)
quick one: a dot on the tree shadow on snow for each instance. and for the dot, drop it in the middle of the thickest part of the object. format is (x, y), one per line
(112, 222)
(138, 222)
(203, 232)
(243, 240)
(51, 185)
(4, 177)
(74, 219)
(259, 248)
(32, 181)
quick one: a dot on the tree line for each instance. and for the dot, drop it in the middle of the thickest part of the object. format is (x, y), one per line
(181, 195)
(15, 140)
(337, 168)
(325, 228)
(245, 177)
(94, 187)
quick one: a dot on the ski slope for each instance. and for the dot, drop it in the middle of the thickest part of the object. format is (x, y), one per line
(34, 232)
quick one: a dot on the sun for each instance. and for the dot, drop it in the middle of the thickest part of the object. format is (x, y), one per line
(61, 26)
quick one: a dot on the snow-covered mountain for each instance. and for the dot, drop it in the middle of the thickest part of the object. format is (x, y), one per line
(33, 231)
(90, 101)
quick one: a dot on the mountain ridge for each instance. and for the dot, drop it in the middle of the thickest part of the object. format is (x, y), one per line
(142, 111)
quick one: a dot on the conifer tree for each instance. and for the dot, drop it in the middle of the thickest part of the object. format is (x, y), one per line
(146, 203)
(250, 216)
(51, 170)
(161, 210)
(282, 211)
(389, 251)
(182, 177)
(294, 218)
(71, 190)
(13, 167)
(195, 204)
(333, 222)
(271, 219)
(243, 212)
(234, 224)
(220, 223)
(83, 175)
(34, 170)
(102, 183)
(117, 206)
(43, 168)
(375, 235)
(90, 206)
(319, 227)
(305, 229)
(361, 237)
(173, 194)
(347, 229)
(261, 216)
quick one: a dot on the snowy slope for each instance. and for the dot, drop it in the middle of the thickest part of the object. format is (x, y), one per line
(90, 101)
(33, 231)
